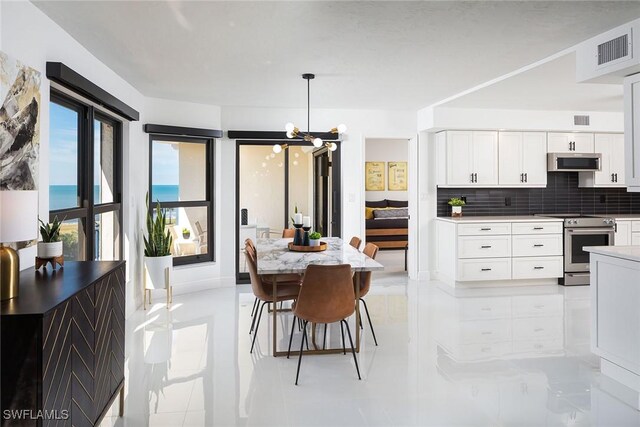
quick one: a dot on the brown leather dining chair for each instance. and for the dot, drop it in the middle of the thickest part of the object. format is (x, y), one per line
(371, 251)
(288, 233)
(283, 279)
(264, 291)
(355, 242)
(326, 296)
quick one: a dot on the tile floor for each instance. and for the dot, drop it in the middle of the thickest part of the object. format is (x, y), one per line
(482, 357)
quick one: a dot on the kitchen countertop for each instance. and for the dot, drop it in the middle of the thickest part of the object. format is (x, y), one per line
(631, 253)
(506, 218)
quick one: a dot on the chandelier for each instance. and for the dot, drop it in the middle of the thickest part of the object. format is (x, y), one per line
(294, 132)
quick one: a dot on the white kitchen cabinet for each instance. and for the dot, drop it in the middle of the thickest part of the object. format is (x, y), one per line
(471, 158)
(623, 233)
(522, 160)
(611, 146)
(570, 142)
(635, 239)
(632, 131)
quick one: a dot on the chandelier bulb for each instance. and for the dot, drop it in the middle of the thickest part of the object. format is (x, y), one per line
(289, 127)
(289, 134)
(317, 142)
(277, 148)
(342, 128)
(333, 146)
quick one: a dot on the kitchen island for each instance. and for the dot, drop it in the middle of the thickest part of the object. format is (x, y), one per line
(615, 317)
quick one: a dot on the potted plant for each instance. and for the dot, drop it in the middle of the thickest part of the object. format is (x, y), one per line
(157, 248)
(51, 245)
(314, 239)
(456, 206)
(186, 233)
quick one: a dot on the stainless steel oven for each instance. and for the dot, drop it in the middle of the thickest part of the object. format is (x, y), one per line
(579, 232)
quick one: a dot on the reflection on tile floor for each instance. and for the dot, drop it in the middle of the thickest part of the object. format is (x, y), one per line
(479, 357)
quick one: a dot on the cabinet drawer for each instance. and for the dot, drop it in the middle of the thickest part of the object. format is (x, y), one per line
(538, 267)
(538, 328)
(538, 346)
(483, 308)
(484, 269)
(537, 305)
(635, 239)
(480, 331)
(484, 246)
(537, 245)
(635, 226)
(536, 228)
(482, 351)
(484, 229)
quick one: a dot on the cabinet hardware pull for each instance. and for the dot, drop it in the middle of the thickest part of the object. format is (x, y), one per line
(538, 268)
(475, 177)
(616, 177)
(485, 269)
(612, 179)
(538, 228)
(485, 229)
(538, 330)
(485, 246)
(471, 178)
(521, 177)
(538, 245)
(486, 309)
(486, 333)
(538, 306)
(526, 177)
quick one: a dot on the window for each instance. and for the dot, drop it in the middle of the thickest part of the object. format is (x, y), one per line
(181, 179)
(85, 189)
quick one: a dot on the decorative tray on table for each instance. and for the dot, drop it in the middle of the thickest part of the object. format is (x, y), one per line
(295, 248)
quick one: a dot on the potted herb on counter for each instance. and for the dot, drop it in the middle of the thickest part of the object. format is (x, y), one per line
(314, 239)
(456, 206)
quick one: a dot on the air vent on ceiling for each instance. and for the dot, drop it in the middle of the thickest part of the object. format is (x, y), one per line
(613, 49)
(581, 120)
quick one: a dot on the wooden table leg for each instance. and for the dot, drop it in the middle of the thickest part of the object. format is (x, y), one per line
(357, 327)
(274, 283)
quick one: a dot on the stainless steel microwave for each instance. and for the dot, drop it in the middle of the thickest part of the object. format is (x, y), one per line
(574, 162)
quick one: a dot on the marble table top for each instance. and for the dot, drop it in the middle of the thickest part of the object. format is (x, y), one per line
(274, 257)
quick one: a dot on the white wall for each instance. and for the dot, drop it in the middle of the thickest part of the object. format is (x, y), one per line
(440, 118)
(386, 150)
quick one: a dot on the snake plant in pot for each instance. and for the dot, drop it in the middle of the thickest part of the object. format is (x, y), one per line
(51, 244)
(157, 248)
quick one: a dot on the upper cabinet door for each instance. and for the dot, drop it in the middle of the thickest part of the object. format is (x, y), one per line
(510, 167)
(534, 158)
(632, 131)
(485, 158)
(568, 142)
(459, 158)
(611, 146)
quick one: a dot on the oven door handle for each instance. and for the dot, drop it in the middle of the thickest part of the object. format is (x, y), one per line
(591, 230)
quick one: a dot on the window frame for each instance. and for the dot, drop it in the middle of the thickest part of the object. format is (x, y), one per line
(208, 201)
(87, 207)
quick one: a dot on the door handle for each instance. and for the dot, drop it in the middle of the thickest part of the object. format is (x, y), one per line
(521, 177)
(471, 178)
(616, 177)
(526, 177)
(612, 179)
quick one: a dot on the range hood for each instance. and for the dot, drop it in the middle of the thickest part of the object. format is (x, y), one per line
(574, 162)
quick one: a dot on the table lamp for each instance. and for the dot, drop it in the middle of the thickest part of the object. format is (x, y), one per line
(18, 222)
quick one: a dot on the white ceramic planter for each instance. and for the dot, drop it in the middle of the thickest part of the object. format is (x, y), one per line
(456, 210)
(49, 250)
(156, 270)
(314, 242)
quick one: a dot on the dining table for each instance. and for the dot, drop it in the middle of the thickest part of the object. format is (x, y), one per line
(275, 258)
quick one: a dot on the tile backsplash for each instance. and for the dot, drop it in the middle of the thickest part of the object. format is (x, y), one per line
(562, 195)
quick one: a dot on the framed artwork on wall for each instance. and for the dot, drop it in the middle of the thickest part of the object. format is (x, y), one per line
(397, 176)
(374, 176)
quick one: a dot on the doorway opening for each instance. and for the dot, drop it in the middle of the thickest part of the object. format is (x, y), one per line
(270, 187)
(386, 219)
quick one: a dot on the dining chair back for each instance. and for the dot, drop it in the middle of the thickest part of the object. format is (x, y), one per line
(257, 285)
(288, 233)
(371, 251)
(326, 296)
(355, 242)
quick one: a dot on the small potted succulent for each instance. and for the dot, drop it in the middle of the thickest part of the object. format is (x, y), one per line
(314, 239)
(456, 206)
(51, 245)
(186, 233)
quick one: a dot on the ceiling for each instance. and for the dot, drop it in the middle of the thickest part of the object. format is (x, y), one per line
(387, 55)
(550, 86)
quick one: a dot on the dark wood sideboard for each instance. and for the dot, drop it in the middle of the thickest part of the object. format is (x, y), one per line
(63, 345)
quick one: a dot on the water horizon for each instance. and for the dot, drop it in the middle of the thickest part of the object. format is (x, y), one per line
(65, 196)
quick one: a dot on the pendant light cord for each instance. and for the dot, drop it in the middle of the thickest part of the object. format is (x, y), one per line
(308, 105)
